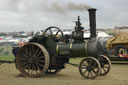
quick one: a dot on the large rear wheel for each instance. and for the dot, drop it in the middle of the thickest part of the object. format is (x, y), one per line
(32, 60)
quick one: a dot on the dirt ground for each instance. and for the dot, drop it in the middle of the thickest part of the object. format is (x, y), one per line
(69, 76)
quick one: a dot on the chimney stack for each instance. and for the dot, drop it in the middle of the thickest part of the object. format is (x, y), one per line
(92, 19)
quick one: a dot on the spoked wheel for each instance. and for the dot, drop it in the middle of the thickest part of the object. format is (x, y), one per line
(105, 65)
(53, 71)
(55, 32)
(89, 68)
(32, 60)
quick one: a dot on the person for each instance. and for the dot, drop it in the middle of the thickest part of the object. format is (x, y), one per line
(15, 51)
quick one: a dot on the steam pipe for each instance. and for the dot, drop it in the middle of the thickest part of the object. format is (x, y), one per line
(92, 19)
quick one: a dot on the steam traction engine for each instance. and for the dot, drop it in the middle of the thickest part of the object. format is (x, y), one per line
(49, 52)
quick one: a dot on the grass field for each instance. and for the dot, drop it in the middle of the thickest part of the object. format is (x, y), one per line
(9, 75)
(10, 58)
(68, 76)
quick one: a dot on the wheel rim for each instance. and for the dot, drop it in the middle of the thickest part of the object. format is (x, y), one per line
(32, 60)
(89, 68)
(105, 65)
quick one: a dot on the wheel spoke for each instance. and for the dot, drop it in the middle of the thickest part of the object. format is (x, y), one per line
(84, 71)
(35, 69)
(41, 61)
(104, 70)
(38, 68)
(91, 73)
(24, 63)
(26, 66)
(25, 51)
(36, 52)
(30, 51)
(25, 55)
(40, 64)
(57, 33)
(32, 48)
(40, 57)
(32, 69)
(88, 75)
(29, 69)
(50, 31)
(94, 70)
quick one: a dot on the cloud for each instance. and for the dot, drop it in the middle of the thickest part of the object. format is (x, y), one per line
(17, 15)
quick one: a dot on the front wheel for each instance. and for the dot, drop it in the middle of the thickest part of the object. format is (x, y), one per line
(89, 68)
(105, 65)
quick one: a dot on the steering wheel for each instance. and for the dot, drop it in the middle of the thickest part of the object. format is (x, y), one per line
(54, 32)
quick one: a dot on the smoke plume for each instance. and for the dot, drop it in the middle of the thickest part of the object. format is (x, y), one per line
(64, 8)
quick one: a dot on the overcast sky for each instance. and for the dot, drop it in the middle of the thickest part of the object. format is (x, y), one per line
(28, 15)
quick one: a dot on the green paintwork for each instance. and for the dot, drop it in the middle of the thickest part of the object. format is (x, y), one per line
(72, 49)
